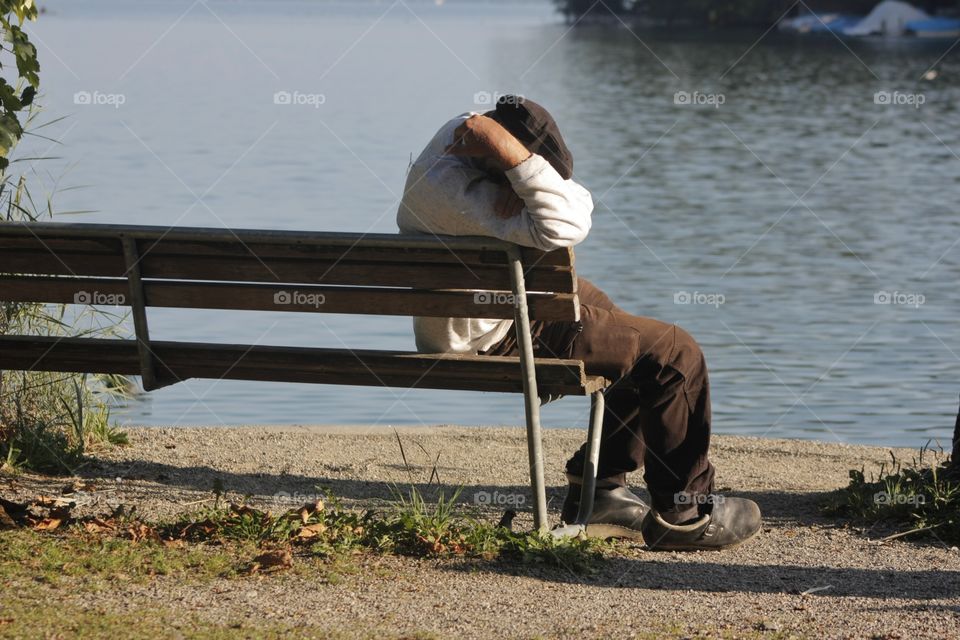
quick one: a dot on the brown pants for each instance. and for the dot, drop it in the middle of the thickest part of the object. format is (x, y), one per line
(657, 414)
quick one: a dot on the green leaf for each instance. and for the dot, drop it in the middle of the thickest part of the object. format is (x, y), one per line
(26, 54)
(8, 97)
(26, 98)
(10, 133)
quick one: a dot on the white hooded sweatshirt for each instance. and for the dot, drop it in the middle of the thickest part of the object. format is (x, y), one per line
(447, 195)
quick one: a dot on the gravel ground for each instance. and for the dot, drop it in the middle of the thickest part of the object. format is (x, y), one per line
(802, 577)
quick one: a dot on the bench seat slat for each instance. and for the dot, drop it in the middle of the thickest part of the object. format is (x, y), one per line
(295, 364)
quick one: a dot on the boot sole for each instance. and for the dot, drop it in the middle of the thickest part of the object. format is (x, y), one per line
(606, 531)
(693, 547)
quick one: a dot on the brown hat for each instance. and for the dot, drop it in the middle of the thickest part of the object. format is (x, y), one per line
(533, 125)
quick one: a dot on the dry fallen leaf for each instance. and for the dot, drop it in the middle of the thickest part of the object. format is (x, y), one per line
(311, 531)
(78, 486)
(244, 510)
(96, 525)
(272, 561)
(308, 510)
(6, 522)
(48, 524)
(139, 531)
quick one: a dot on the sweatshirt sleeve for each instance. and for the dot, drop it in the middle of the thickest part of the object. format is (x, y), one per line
(447, 195)
(557, 212)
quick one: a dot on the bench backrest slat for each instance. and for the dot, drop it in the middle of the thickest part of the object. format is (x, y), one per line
(318, 249)
(267, 297)
(375, 274)
(431, 265)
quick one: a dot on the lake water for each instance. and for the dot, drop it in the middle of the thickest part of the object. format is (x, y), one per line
(781, 199)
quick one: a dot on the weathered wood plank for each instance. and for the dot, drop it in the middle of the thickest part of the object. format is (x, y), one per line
(344, 272)
(302, 249)
(55, 245)
(292, 271)
(206, 234)
(357, 253)
(65, 290)
(300, 299)
(90, 237)
(63, 263)
(292, 364)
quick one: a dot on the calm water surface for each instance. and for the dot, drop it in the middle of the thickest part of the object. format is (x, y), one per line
(780, 214)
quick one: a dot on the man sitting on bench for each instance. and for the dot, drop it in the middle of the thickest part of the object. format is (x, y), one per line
(507, 174)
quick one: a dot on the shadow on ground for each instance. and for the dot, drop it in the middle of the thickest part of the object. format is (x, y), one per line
(778, 506)
(635, 568)
(663, 571)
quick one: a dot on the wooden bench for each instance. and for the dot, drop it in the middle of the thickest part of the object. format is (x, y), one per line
(291, 271)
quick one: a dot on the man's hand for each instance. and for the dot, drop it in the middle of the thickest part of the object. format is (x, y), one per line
(483, 137)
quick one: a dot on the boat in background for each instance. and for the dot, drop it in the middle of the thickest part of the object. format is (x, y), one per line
(819, 23)
(889, 18)
(935, 28)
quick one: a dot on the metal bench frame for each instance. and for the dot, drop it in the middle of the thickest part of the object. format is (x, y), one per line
(17, 287)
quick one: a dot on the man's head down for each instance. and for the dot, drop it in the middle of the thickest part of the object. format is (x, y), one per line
(533, 125)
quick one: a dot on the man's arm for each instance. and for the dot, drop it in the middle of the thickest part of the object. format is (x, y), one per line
(447, 195)
(483, 137)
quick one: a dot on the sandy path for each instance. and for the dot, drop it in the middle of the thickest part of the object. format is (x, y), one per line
(860, 589)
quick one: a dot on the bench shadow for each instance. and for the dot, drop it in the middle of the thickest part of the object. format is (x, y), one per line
(669, 573)
(651, 571)
(778, 506)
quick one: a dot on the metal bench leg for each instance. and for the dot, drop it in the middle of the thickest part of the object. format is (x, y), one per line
(535, 454)
(593, 458)
(589, 487)
(530, 395)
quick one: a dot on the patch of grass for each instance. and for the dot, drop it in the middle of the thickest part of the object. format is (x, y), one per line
(57, 558)
(35, 611)
(922, 499)
(411, 526)
(418, 527)
(49, 421)
(42, 447)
